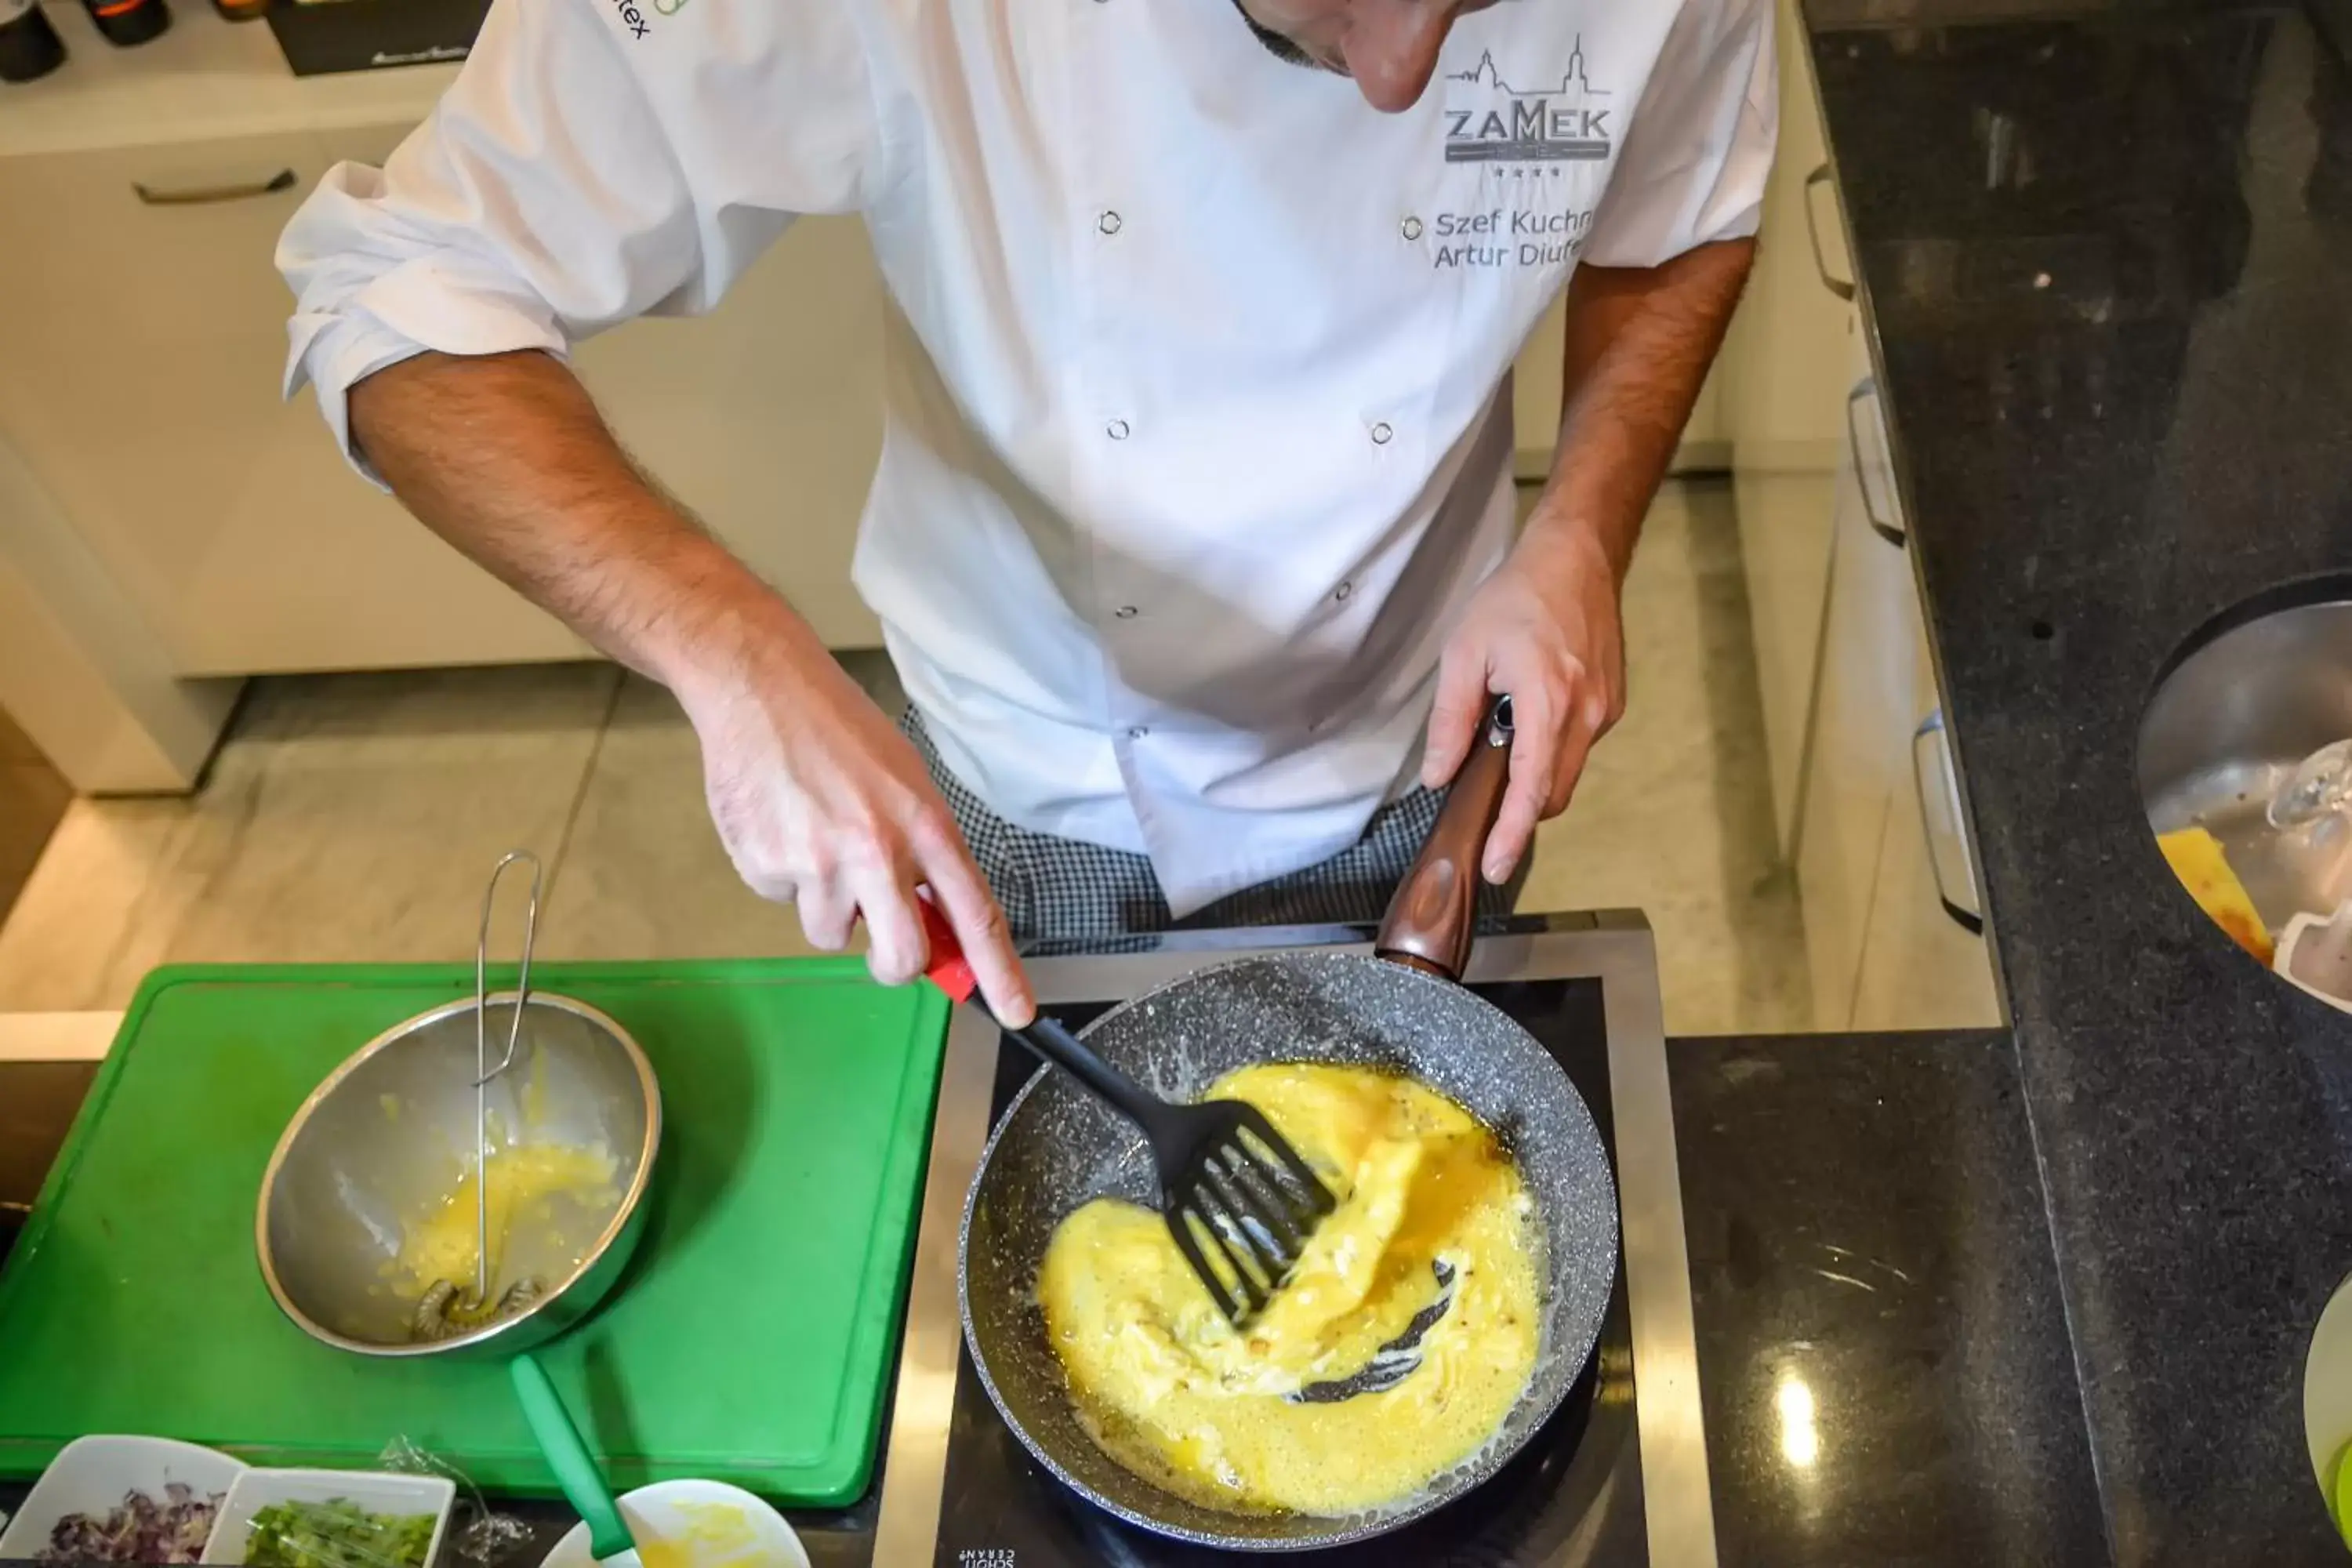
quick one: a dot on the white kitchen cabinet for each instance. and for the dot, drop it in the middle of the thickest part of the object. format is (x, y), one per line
(1782, 381)
(1786, 520)
(1772, 400)
(145, 340)
(306, 566)
(179, 527)
(1847, 685)
(79, 670)
(1773, 409)
(138, 378)
(1925, 963)
(1783, 371)
(1883, 865)
(1862, 719)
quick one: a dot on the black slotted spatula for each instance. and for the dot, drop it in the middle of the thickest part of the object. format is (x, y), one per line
(1227, 1177)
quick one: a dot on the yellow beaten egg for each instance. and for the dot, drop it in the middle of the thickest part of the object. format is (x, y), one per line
(528, 1184)
(1431, 1209)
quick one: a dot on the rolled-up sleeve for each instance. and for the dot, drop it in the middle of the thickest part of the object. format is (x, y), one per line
(549, 194)
(1699, 147)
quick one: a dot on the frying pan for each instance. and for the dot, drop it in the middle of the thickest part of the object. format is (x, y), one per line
(1402, 1011)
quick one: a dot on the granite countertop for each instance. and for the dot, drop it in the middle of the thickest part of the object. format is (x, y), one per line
(1883, 1359)
(2106, 258)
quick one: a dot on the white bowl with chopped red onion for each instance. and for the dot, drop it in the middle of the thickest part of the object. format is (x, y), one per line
(122, 1499)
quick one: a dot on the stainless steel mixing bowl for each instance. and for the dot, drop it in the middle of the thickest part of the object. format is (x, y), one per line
(2254, 693)
(390, 1132)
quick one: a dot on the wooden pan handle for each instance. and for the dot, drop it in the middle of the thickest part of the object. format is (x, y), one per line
(1435, 913)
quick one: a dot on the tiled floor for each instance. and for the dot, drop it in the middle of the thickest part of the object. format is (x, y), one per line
(33, 797)
(1674, 817)
(353, 817)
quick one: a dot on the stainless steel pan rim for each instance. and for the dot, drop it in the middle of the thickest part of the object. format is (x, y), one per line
(1579, 1217)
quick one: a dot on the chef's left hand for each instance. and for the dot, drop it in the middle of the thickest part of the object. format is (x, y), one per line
(1545, 629)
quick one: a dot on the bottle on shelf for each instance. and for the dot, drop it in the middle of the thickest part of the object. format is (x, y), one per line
(29, 46)
(128, 22)
(242, 10)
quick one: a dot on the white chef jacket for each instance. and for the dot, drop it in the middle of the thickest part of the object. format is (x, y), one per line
(1197, 415)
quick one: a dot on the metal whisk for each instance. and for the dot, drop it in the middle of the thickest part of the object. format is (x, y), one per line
(447, 1307)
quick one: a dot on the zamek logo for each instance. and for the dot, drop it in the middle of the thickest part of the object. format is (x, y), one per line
(1487, 120)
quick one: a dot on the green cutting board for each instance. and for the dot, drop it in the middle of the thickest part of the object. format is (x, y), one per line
(750, 1341)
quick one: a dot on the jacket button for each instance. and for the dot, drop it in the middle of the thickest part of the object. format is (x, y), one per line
(1109, 223)
(1124, 612)
(1116, 429)
(1380, 434)
(1409, 228)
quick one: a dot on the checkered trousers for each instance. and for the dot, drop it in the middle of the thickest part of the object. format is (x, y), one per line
(1056, 890)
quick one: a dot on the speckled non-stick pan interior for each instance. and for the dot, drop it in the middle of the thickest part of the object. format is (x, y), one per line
(1058, 1147)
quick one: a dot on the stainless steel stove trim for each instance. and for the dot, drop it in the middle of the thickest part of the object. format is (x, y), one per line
(1614, 947)
(1677, 1497)
(915, 1466)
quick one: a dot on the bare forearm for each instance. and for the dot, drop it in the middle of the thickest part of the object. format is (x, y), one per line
(505, 456)
(1545, 627)
(1639, 343)
(818, 798)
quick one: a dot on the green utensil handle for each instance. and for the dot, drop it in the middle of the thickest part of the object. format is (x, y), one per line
(576, 1470)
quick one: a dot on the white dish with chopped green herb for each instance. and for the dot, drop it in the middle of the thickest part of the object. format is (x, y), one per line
(332, 1518)
(108, 1498)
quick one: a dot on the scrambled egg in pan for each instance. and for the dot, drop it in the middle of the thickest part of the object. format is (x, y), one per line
(1406, 1334)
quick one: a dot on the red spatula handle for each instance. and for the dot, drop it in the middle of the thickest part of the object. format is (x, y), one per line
(1050, 1040)
(948, 969)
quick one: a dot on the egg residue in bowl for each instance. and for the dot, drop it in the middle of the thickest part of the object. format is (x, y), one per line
(549, 1186)
(1405, 1335)
(716, 1536)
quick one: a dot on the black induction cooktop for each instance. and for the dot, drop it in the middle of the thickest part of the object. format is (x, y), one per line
(1572, 1496)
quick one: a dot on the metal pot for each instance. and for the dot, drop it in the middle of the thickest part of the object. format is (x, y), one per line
(1057, 1147)
(2253, 693)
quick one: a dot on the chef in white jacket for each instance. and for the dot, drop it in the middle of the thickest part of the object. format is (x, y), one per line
(1192, 535)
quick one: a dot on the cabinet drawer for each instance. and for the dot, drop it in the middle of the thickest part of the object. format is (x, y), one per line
(1783, 368)
(1786, 523)
(1783, 382)
(1862, 723)
(1926, 961)
(1864, 709)
(1892, 913)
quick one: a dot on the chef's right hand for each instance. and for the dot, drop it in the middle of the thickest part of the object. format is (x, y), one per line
(822, 803)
